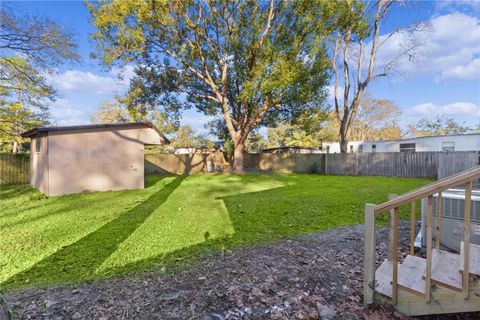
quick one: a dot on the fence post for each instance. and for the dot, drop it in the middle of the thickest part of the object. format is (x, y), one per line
(369, 258)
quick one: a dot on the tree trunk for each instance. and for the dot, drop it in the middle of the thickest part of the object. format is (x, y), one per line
(238, 155)
(14, 147)
(343, 140)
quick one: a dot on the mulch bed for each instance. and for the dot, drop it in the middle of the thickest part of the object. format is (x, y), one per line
(311, 277)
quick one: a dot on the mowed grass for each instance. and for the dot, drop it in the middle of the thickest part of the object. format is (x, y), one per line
(89, 236)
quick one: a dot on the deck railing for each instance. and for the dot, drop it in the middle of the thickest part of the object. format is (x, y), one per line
(465, 178)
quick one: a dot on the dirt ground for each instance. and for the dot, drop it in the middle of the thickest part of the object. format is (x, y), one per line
(317, 276)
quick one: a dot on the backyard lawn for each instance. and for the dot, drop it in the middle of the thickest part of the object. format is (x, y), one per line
(172, 221)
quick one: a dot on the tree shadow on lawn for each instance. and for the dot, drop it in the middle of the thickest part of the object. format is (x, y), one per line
(80, 260)
(12, 191)
(299, 207)
(64, 204)
(309, 203)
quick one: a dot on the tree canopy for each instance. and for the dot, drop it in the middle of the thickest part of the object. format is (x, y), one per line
(440, 126)
(30, 46)
(250, 62)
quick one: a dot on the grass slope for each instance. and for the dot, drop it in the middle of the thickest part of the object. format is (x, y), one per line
(80, 237)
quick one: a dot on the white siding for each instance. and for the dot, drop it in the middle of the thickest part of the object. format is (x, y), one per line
(468, 142)
(461, 143)
(334, 147)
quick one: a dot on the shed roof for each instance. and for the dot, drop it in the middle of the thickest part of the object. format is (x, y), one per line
(36, 131)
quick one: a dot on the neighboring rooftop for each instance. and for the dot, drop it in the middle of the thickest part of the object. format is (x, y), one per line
(426, 137)
(36, 131)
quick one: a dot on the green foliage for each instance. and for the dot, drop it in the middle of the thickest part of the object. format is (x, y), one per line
(24, 97)
(116, 111)
(440, 126)
(75, 238)
(30, 47)
(228, 150)
(308, 130)
(248, 62)
(110, 112)
(376, 119)
(185, 136)
(255, 143)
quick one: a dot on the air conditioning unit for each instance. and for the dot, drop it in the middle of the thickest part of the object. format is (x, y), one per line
(453, 212)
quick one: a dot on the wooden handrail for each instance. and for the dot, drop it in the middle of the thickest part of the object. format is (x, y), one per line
(466, 240)
(439, 221)
(441, 185)
(428, 268)
(464, 178)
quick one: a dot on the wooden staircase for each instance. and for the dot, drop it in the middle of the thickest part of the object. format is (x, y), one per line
(436, 284)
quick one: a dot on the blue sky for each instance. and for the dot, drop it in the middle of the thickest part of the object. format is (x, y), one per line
(444, 80)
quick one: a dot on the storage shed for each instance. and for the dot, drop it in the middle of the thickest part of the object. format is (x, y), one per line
(87, 158)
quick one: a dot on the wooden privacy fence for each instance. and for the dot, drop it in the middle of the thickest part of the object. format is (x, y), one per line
(162, 163)
(14, 168)
(390, 164)
(450, 163)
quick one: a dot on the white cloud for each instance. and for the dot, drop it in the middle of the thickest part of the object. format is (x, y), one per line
(471, 71)
(457, 109)
(448, 48)
(85, 82)
(65, 113)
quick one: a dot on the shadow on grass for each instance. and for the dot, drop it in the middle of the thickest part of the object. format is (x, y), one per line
(80, 260)
(304, 204)
(13, 191)
(67, 204)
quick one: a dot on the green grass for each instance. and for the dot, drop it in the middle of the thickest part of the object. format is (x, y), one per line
(89, 236)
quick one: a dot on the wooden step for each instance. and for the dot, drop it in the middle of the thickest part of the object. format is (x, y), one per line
(410, 275)
(443, 300)
(474, 259)
(445, 270)
(383, 278)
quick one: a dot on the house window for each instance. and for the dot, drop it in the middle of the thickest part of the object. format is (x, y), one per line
(351, 148)
(374, 148)
(407, 147)
(360, 148)
(328, 149)
(448, 146)
(37, 144)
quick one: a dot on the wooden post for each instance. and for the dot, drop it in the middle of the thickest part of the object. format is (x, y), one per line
(413, 214)
(439, 220)
(466, 240)
(369, 258)
(428, 269)
(391, 226)
(395, 257)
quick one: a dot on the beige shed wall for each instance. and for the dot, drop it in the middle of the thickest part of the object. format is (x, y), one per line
(39, 164)
(97, 160)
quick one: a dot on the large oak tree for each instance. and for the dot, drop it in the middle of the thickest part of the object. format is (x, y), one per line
(248, 61)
